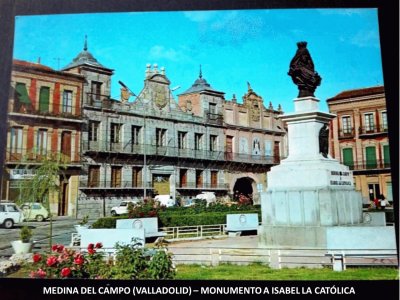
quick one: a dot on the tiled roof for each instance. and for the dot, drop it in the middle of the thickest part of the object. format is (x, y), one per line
(24, 63)
(358, 93)
(201, 85)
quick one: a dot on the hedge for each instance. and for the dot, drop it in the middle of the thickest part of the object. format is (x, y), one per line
(171, 218)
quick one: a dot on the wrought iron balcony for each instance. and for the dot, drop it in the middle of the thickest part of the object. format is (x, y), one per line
(166, 151)
(212, 118)
(368, 165)
(29, 156)
(370, 130)
(114, 184)
(346, 133)
(202, 186)
(98, 100)
(57, 110)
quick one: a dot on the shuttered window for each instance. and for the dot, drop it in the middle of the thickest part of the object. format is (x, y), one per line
(348, 157)
(44, 99)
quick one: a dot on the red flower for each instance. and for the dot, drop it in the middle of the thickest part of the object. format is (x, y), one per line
(90, 246)
(91, 251)
(51, 261)
(79, 260)
(38, 274)
(99, 245)
(37, 257)
(60, 248)
(65, 272)
(54, 248)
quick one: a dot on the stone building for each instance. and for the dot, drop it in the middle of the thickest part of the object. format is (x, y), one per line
(359, 139)
(44, 120)
(149, 144)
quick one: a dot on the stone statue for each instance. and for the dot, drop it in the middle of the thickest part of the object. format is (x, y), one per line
(323, 141)
(302, 71)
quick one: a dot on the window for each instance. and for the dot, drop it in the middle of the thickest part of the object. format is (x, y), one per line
(214, 179)
(115, 133)
(212, 108)
(369, 122)
(384, 124)
(135, 135)
(94, 176)
(348, 158)
(346, 125)
(213, 142)
(44, 99)
(16, 141)
(41, 142)
(370, 155)
(93, 131)
(136, 177)
(22, 100)
(116, 176)
(386, 156)
(181, 140)
(199, 178)
(96, 90)
(183, 177)
(67, 102)
(66, 137)
(161, 136)
(198, 139)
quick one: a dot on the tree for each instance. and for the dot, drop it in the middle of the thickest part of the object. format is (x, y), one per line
(46, 181)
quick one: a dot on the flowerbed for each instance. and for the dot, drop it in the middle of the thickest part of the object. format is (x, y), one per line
(131, 262)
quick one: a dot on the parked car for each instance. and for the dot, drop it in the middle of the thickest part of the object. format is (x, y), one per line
(34, 211)
(122, 208)
(165, 200)
(10, 214)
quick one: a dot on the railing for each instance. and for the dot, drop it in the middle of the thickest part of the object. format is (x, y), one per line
(57, 110)
(216, 119)
(141, 149)
(368, 165)
(98, 100)
(193, 232)
(346, 133)
(24, 155)
(365, 130)
(204, 186)
(109, 184)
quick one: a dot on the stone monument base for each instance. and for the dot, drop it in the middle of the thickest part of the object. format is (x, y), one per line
(327, 237)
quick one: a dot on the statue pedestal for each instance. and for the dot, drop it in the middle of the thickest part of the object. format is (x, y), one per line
(310, 201)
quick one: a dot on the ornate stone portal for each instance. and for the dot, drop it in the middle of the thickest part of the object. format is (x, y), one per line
(311, 201)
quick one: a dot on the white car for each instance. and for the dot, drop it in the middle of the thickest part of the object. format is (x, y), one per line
(10, 214)
(122, 209)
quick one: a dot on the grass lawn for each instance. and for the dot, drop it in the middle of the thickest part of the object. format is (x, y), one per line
(262, 272)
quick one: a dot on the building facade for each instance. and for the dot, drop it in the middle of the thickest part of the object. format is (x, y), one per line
(149, 144)
(44, 122)
(359, 139)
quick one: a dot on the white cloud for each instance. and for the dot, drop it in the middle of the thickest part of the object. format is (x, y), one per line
(200, 16)
(366, 39)
(160, 52)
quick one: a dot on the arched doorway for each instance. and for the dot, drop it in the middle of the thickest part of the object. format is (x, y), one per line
(243, 187)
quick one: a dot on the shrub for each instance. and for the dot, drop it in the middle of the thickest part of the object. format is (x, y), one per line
(131, 262)
(25, 234)
(108, 222)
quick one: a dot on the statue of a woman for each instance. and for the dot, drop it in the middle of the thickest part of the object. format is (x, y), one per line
(302, 71)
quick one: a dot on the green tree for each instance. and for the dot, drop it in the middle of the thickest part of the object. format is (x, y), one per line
(46, 181)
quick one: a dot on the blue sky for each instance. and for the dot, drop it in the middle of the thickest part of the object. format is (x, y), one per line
(233, 47)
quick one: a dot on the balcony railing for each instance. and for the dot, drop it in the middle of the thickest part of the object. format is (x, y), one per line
(153, 150)
(108, 184)
(204, 186)
(24, 155)
(216, 119)
(98, 100)
(368, 165)
(346, 133)
(57, 110)
(365, 130)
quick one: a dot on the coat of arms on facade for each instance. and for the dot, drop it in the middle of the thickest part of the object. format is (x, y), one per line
(160, 96)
